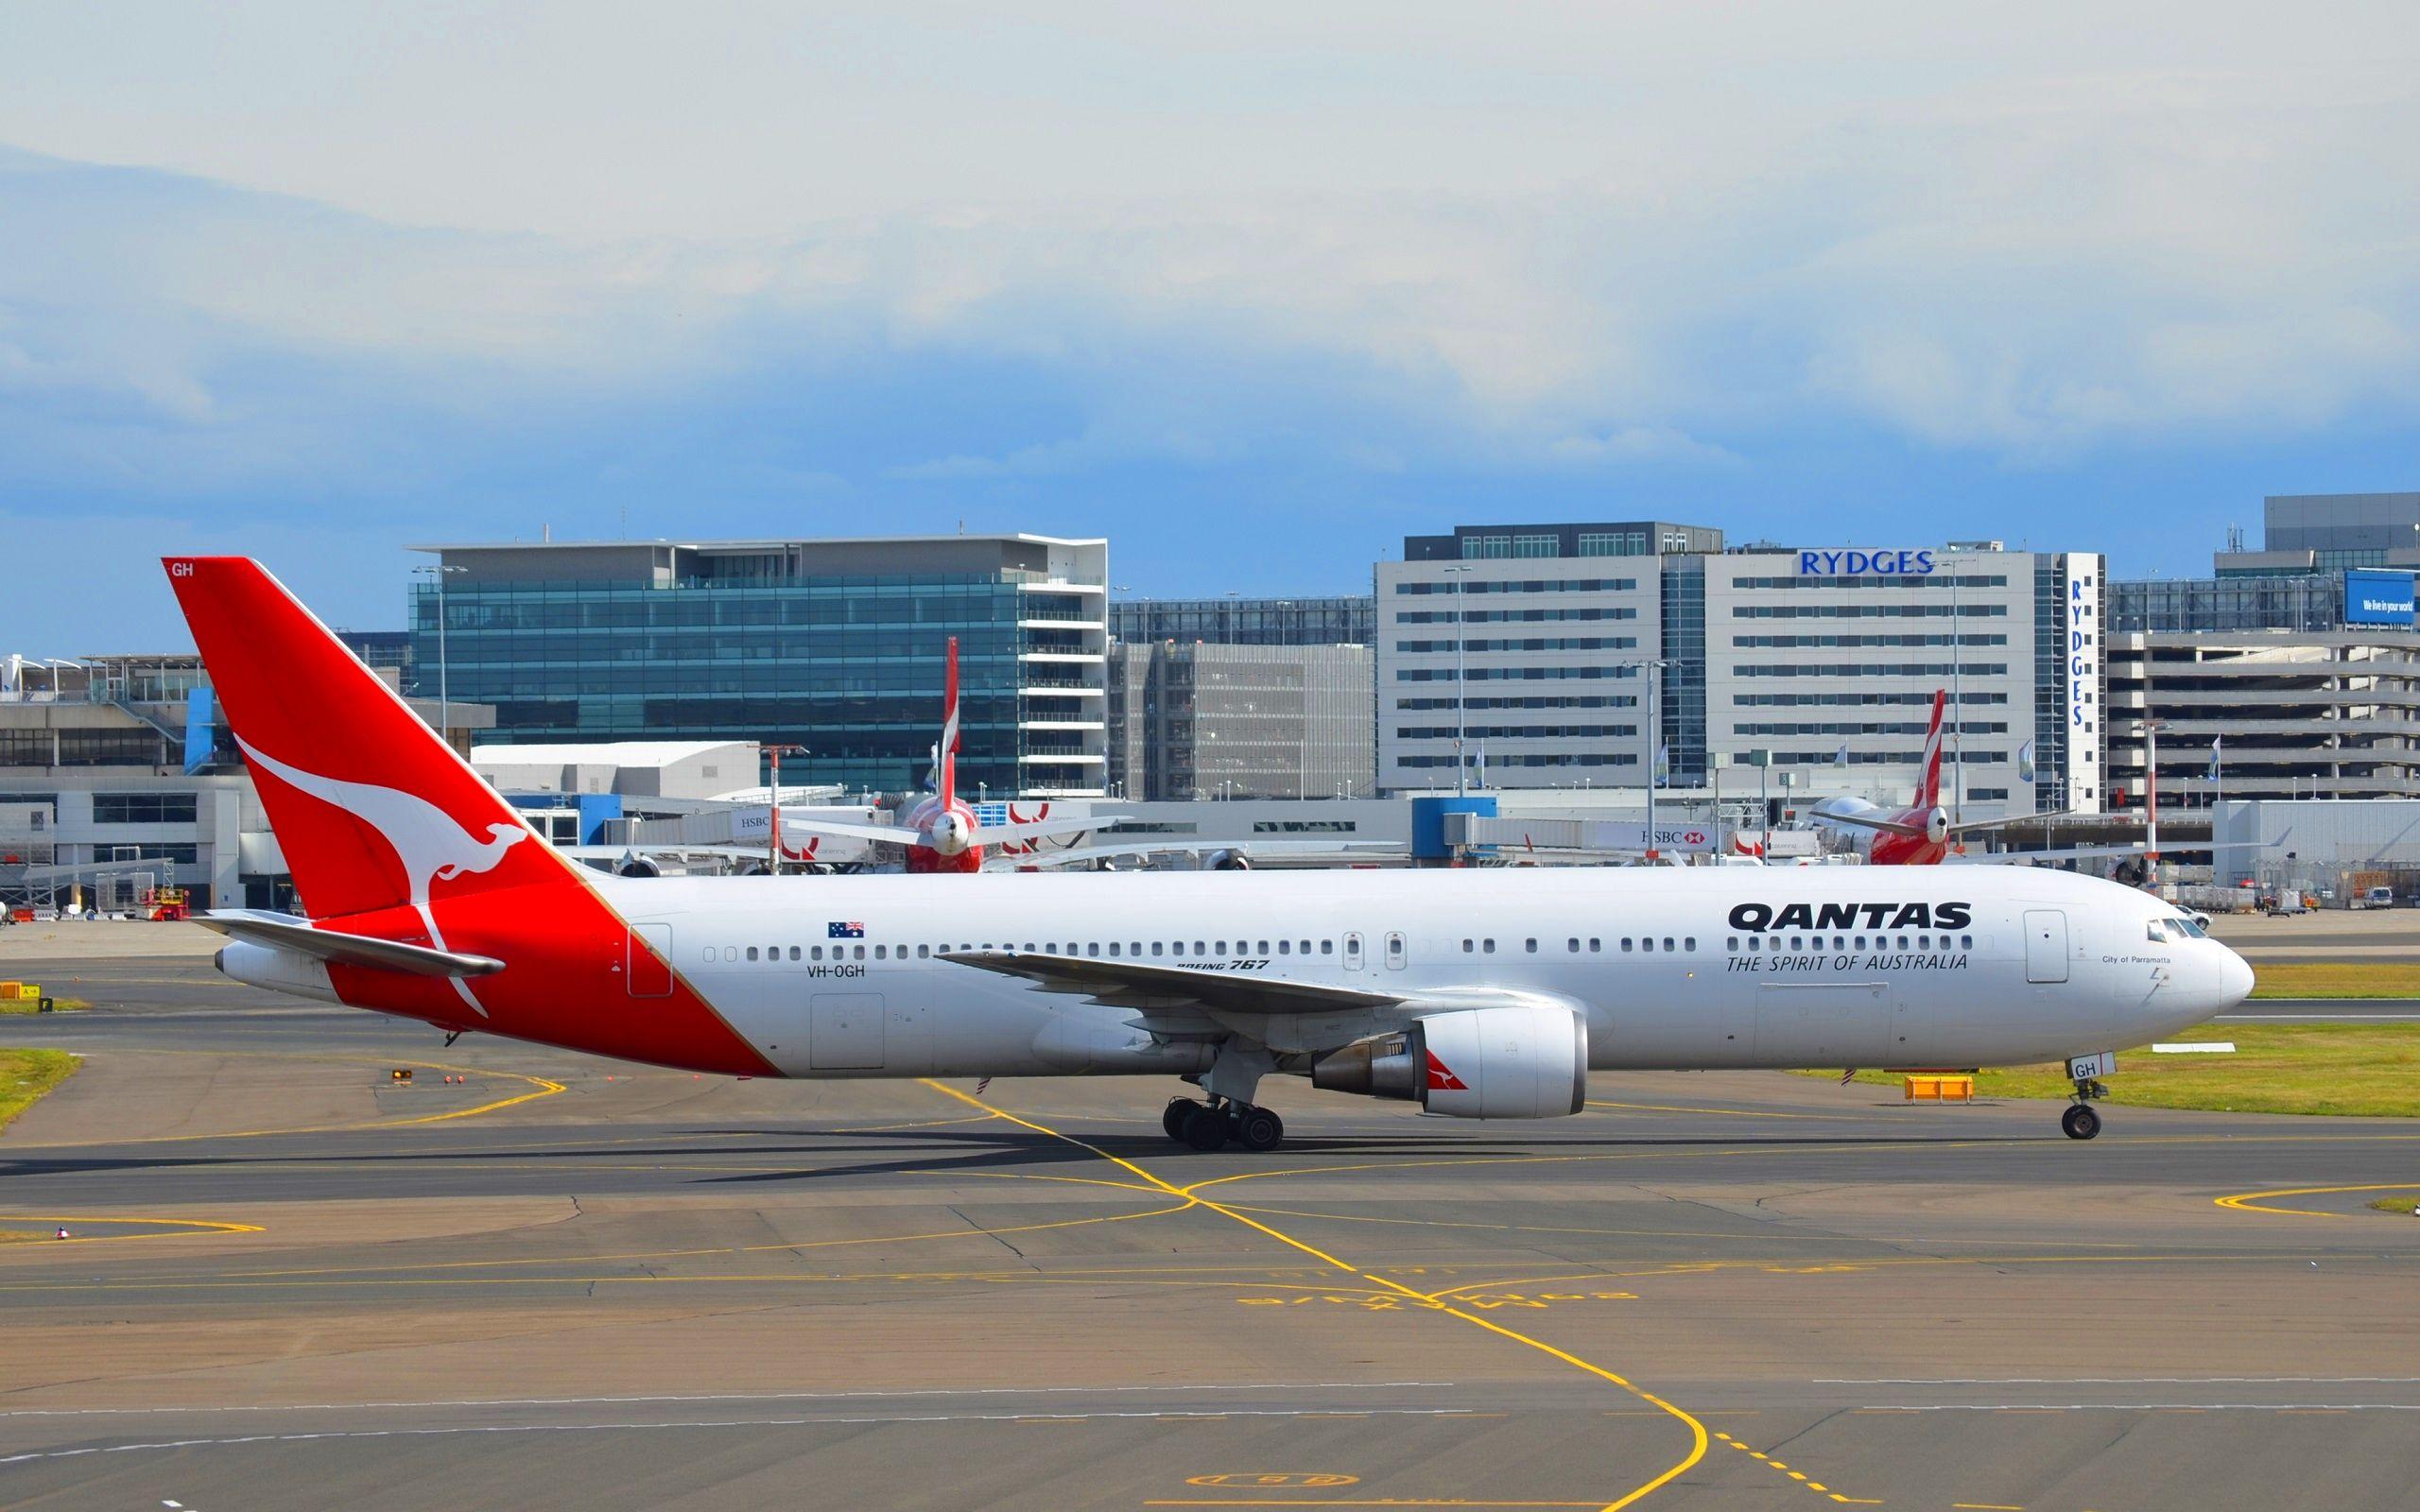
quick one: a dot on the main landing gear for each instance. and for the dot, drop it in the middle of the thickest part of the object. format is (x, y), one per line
(1210, 1126)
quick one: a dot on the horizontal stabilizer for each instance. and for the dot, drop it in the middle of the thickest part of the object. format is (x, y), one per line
(285, 931)
(1018, 831)
(1234, 991)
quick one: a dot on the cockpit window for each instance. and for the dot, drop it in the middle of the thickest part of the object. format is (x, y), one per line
(2191, 926)
(2157, 931)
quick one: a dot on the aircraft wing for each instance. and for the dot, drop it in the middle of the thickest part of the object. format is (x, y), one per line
(1977, 826)
(1140, 984)
(287, 933)
(843, 830)
(1034, 829)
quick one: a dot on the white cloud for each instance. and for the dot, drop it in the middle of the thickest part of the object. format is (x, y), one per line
(1578, 236)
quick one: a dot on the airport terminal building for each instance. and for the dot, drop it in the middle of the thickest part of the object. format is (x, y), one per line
(837, 645)
(1818, 661)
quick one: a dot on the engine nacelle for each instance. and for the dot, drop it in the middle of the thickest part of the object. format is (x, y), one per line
(266, 966)
(1226, 861)
(1527, 1060)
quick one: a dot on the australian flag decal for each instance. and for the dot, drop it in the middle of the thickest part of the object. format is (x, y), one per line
(837, 930)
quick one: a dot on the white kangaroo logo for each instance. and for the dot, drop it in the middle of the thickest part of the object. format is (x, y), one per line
(430, 843)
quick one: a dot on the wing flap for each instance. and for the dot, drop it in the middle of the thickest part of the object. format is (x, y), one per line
(1134, 984)
(285, 931)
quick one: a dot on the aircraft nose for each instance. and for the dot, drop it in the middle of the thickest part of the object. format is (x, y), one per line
(2235, 978)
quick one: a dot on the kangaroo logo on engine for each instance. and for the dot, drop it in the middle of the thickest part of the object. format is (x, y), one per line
(1758, 918)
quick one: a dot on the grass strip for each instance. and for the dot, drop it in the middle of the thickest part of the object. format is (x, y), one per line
(2355, 1070)
(27, 1074)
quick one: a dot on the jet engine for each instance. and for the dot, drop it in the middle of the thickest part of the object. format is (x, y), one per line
(1517, 1061)
(1226, 861)
(633, 865)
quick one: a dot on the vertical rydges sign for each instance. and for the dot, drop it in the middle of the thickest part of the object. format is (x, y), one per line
(2086, 731)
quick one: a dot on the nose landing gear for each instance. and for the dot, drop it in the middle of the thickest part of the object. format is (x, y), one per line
(2080, 1122)
(1208, 1126)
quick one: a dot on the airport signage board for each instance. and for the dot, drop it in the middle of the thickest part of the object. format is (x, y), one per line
(2374, 597)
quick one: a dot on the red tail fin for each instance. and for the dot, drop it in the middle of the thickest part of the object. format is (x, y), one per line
(370, 808)
(1928, 790)
(949, 732)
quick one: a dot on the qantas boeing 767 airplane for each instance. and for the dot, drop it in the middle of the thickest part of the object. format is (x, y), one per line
(1476, 994)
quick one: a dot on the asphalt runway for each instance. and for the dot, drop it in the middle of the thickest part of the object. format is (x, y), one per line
(561, 1282)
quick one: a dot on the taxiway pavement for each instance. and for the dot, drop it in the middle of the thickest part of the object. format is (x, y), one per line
(291, 1282)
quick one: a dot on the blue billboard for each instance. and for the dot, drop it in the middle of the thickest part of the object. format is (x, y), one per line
(2372, 598)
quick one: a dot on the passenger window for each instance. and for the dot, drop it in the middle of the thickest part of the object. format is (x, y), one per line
(1924, 943)
(1113, 947)
(1134, 947)
(794, 953)
(1689, 944)
(1469, 946)
(1731, 944)
(1284, 947)
(923, 952)
(860, 952)
(1903, 942)
(1327, 947)
(1264, 948)
(1965, 942)
(1199, 949)
(1487, 947)
(752, 953)
(1595, 945)
(710, 956)
(1530, 945)
(1860, 943)
(1155, 947)
(1091, 947)
(1625, 944)
(1223, 947)
(1573, 945)
(731, 952)
(879, 953)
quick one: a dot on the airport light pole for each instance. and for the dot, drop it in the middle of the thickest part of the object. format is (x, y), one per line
(1461, 694)
(439, 573)
(1655, 666)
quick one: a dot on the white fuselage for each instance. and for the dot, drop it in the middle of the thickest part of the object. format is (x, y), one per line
(2042, 964)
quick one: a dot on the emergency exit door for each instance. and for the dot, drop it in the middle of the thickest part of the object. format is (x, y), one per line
(2045, 945)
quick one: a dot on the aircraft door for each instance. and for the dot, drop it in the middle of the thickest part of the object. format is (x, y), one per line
(1394, 952)
(845, 1031)
(646, 961)
(1353, 953)
(2045, 945)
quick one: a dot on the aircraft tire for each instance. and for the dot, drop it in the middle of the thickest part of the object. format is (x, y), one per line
(1258, 1129)
(2080, 1122)
(1205, 1127)
(1172, 1117)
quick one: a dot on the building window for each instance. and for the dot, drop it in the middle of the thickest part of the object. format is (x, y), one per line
(144, 809)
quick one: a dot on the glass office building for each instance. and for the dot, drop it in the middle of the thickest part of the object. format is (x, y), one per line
(836, 645)
(1343, 619)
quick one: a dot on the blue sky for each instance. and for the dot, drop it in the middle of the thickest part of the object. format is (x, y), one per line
(1255, 293)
